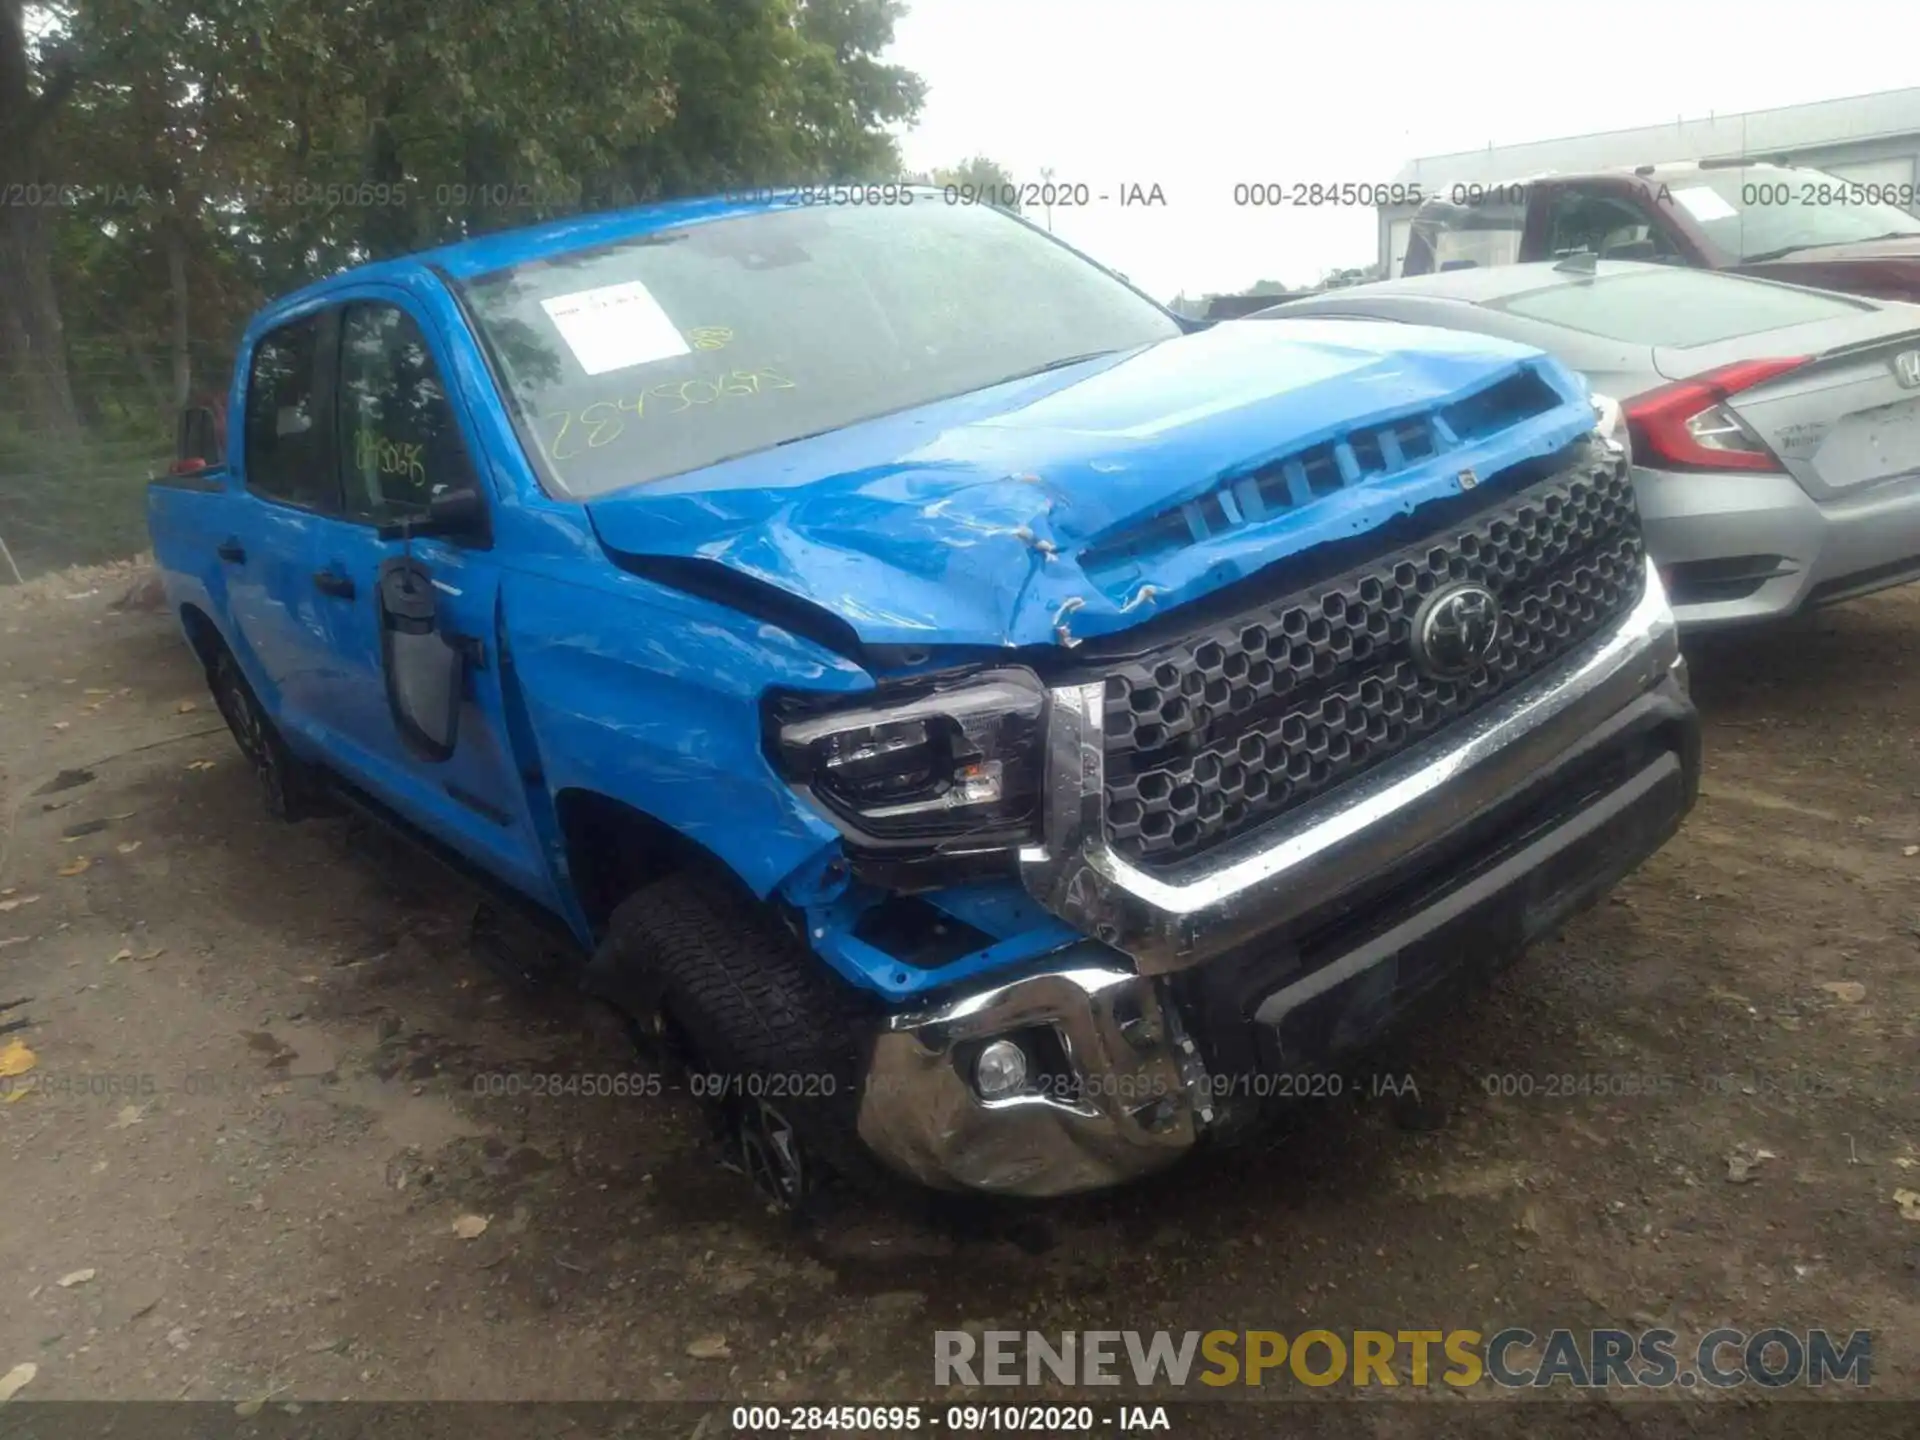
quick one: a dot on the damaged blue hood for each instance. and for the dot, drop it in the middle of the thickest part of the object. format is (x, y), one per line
(1081, 501)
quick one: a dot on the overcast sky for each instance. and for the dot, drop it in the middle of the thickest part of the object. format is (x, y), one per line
(1198, 95)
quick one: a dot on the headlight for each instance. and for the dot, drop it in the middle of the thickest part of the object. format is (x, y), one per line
(924, 764)
(1611, 424)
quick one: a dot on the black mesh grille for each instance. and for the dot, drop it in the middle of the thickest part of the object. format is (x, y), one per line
(1211, 736)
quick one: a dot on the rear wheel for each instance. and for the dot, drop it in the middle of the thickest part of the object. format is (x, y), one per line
(758, 1029)
(289, 788)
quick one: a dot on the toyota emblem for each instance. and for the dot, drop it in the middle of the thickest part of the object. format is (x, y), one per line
(1906, 368)
(1455, 630)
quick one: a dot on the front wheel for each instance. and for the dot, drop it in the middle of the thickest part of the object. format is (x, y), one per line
(765, 1036)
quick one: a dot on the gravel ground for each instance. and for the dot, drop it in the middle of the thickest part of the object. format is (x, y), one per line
(258, 1134)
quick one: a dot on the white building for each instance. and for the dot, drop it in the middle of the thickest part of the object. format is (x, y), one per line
(1872, 138)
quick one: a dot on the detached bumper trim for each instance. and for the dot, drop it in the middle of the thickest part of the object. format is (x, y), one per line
(1341, 840)
(1134, 1112)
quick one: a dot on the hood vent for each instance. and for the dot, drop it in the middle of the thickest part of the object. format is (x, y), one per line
(1368, 452)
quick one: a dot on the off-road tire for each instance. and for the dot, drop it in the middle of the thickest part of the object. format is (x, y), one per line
(760, 1017)
(289, 788)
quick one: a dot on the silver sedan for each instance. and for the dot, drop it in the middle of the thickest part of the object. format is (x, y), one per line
(1775, 429)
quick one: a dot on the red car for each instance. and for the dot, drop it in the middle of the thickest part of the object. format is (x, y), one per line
(1784, 222)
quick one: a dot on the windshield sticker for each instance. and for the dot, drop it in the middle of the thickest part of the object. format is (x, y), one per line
(1704, 203)
(615, 327)
(604, 422)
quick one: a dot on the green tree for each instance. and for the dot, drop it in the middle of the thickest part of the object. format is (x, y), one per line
(33, 345)
(236, 148)
(229, 150)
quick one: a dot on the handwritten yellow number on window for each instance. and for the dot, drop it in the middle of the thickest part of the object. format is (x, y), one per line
(604, 425)
(605, 428)
(671, 392)
(565, 417)
(373, 452)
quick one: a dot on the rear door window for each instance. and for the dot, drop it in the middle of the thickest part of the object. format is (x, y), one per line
(1676, 307)
(286, 455)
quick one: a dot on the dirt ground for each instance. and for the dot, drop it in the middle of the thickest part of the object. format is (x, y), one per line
(261, 1057)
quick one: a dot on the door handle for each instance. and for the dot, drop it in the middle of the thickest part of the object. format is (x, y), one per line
(332, 582)
(230, 550)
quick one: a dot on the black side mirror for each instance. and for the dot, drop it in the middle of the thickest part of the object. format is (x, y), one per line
(458, 514)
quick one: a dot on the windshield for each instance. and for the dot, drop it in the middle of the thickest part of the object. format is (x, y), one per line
(1758, 211)
(673, 351)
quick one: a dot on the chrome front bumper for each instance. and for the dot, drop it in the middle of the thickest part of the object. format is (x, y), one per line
(1243, 887)
(1137, 1074)
(1142, 1094)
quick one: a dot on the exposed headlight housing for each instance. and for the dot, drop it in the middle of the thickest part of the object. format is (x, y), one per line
(936, 766)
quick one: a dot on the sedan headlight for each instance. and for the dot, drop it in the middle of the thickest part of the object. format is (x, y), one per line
(928, 764)
(1611, 424)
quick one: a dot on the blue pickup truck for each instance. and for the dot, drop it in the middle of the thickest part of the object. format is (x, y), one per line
(987, 730)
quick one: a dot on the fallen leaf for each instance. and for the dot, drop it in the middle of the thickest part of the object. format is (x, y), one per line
(247, 1409)
(127, 847)
(201, 765)
(14, 1097)
(153, 954)
(1740, 1167)
(710, 1347)
(91, 691)
(470, 1227)
(6, 905)
(77, 867)
(186, 707)
(60, 724)
(129, 1115)
(1848, 992)
(1910, 851)
(123, 955)
(16, 1059)
(16, 1380)
(1909, 1203)
(78, 1277)
(14, 940)
(1905, 1162)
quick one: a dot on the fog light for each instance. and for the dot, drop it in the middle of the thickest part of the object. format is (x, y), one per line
(1001, 1070)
